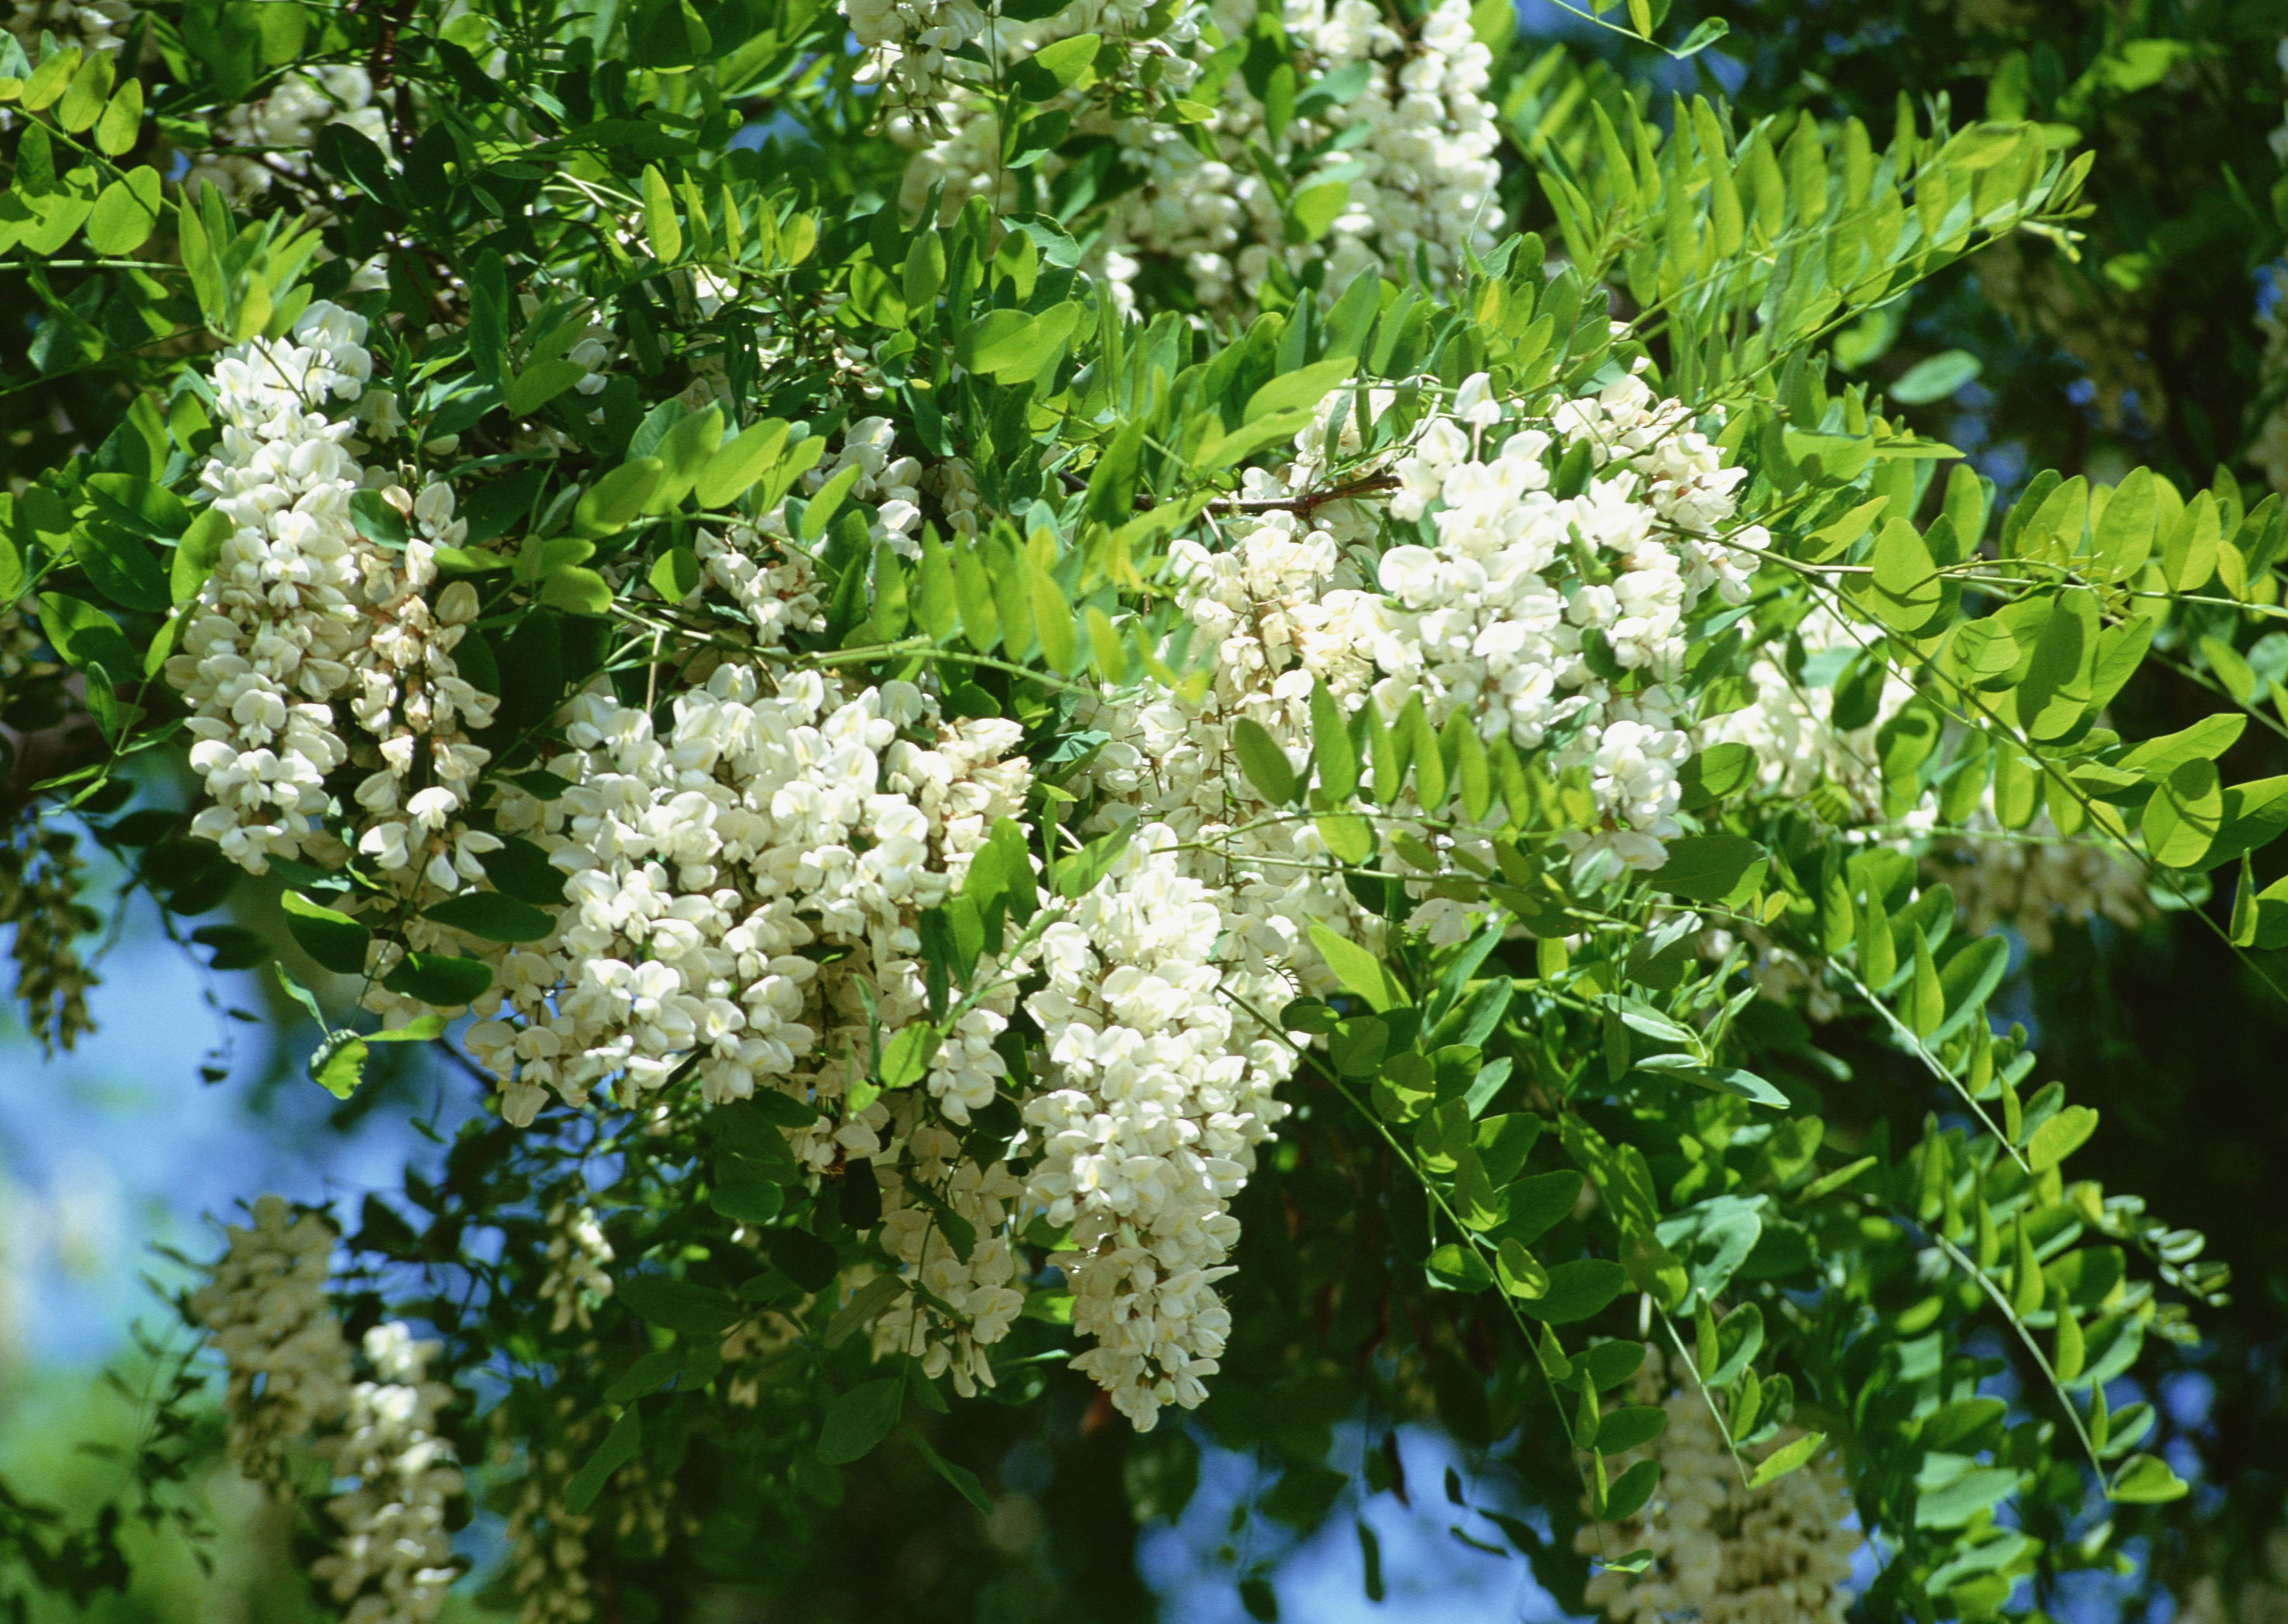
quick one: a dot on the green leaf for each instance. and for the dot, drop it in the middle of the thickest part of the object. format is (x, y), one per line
(196, 555)
(336, 941)
(338, 1064)
(123, 566)
(1264, 762)
(84, 97)
(1067, 64)
(1053, 622)
(577, 592)
(84, 635)
(1908, 591)
(865, 1306)
(676, 574)
(116, 132)
(1358, 969)
(493, 918)
(684, 452)
(2146, 1480)
(1536, 1204)
(661, 228)
(617, 1449)
(1578, 1289)
(1935, 378)
(677, 1305)
(1519, 1271)
(2060, 1137)
(434, 979)
(539, 384)
(736, 466)
(1785, 1459)
(2204, 740)
(1631, 1428)
(617, 500)
(820, 511)
(860, 1419)
(1301, 391)
(126, 213)
(1011, 347)
(147, 510)
(2126, 530)
(2185, 815)
(905, 1061)
(1332, 748)
(1716, 772)
(646, 1374)
(748, 1201)
(1722, 868)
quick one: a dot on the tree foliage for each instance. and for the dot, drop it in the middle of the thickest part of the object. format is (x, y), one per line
(1107, 726)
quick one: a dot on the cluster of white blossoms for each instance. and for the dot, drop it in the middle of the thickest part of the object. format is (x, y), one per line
(257, 144)
(1722, 1552)
(577, 1252)
(1406, 177)
(907, 42)
(291, 1393)
(2260, 1597)
(393, 1561)
(92, 24)
(309, 647)
(1410, 182)
(1560, 621)
(2032, 880)
(264, 1307)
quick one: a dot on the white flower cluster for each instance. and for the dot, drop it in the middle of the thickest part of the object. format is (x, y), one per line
(393, 1561)
(548, 1546)
(1502, 610)
(2038, 877)
(1161, 1066)
(2261, 1598)
(1416, 155)
(1160, 1087)
(266, 1308)
(256, 144)
(311, 647)
(1722, 1552)
(906, 41)
(92, 24)
(1407, 137)
(577, 1252)
(291, 1390)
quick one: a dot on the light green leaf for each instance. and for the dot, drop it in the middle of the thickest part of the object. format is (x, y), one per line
(1298, 391)
(125, 214)
(617, 500)
(1358, 969)
(1785, 1459)
(2146, 1480)
(1011, 347)
(2060, 1137)
(1935, 378)
(536, 385)
(739, 464)
(2182, 819)
(660, 227)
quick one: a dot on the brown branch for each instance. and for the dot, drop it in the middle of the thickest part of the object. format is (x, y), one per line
(1307, 503)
